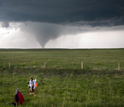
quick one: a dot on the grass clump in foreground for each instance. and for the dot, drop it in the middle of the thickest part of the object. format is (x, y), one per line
(64, 87)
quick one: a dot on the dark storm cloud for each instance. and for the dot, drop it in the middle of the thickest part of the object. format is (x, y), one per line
(49, 19)
(80, 12)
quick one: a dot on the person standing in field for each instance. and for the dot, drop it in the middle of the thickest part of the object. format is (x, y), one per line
(19, 99)
(32, 84)
(35, 84)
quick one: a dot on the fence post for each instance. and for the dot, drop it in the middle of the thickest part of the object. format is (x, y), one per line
(81, 65)
(119, 66)
(44, 66)
(9, 64)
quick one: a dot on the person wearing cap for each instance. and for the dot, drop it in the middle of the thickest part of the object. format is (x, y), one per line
(19, 99)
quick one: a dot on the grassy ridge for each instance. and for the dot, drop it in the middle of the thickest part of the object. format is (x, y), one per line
(62, 83)
(69, 59)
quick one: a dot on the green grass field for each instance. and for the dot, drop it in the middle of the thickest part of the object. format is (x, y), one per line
(62, 83)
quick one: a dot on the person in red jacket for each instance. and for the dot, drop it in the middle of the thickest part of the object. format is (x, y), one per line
(19, 99)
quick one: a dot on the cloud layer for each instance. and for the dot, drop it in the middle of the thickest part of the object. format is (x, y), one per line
(79, 12)
(20, 35)
(49, 19)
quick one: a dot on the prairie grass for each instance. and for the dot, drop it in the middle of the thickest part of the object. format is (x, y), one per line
(63, 83)
(59, 90)
(62, 58)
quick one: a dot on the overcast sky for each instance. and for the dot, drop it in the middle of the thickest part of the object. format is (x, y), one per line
(61, 23)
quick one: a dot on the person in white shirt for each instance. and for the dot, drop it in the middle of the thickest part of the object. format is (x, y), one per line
(35, 84)
(31, 85)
